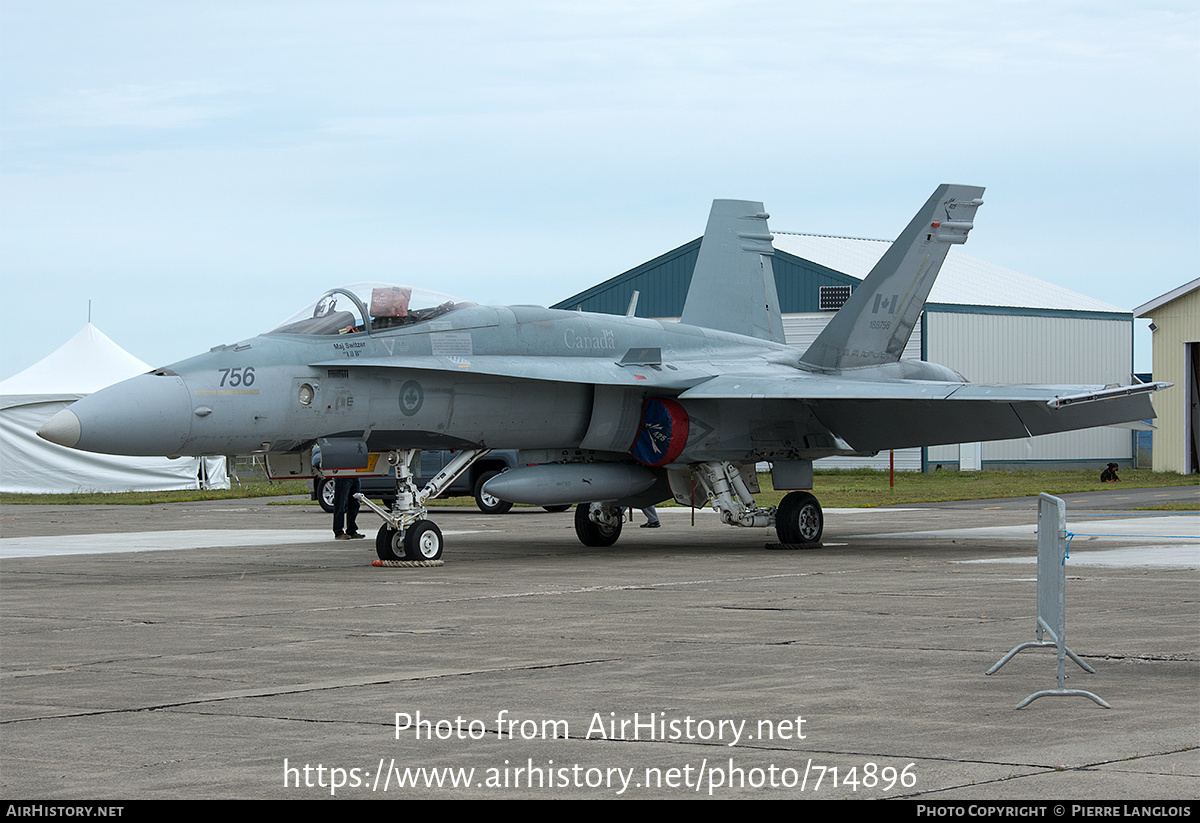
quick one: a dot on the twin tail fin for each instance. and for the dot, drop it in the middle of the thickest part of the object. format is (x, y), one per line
(874, 325)
(733, 284)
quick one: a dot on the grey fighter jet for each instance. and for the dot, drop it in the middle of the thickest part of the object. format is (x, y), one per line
(608, 412)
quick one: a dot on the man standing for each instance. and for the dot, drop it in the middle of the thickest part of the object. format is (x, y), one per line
(345, 508)
(651, 517)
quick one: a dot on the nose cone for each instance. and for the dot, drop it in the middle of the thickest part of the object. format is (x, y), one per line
(150, 414)
(62, 428)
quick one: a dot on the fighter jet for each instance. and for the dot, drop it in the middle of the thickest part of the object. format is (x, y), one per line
(608, 412)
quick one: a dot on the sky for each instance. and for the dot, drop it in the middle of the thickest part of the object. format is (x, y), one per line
(200, 170)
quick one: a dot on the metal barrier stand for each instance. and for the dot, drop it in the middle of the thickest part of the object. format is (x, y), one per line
(1052, 600)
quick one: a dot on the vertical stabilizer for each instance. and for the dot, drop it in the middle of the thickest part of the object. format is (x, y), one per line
(733, 285)
(874, 325)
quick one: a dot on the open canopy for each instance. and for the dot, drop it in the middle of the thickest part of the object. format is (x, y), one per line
(367, 307)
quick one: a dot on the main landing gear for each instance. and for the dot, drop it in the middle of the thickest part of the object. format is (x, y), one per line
(729, 488)
(406, 534)
(799, 519)
(598, 524)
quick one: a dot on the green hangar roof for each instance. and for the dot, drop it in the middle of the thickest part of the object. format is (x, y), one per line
(804, 262)
(663, 285)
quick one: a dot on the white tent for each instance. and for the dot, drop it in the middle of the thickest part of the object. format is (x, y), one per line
(86, 363)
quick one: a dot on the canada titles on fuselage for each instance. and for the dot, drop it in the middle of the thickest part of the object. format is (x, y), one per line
(608, 412)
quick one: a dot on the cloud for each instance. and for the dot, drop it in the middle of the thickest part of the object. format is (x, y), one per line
(176, 106)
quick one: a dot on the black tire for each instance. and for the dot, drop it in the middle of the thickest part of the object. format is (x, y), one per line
(799, 519)
(325, 492)
(593, 534)
(489, 504)
(423, 541)
(389, 543)
(557, 509)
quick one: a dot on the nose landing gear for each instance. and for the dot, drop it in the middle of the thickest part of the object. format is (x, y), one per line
(421, 541)
(406, 534)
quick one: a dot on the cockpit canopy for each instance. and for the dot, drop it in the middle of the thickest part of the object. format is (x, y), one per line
(368, 307)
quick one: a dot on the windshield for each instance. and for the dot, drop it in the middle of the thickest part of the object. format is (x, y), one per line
(368, 307)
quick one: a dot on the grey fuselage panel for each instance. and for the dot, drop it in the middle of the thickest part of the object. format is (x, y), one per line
(531, 378)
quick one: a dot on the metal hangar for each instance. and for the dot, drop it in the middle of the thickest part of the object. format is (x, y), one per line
(1175, 323)
(988, 323)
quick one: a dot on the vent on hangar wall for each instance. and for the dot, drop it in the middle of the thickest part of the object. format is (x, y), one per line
(833, 298)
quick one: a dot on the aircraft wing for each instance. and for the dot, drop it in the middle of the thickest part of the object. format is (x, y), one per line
(874, 415)
(593, 370)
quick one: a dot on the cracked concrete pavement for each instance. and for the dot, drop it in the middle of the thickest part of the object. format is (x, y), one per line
(199, 671)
